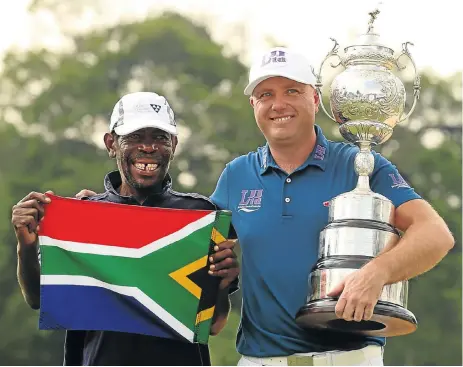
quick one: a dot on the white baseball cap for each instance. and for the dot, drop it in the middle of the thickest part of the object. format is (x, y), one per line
(140, 110)
(280, 61)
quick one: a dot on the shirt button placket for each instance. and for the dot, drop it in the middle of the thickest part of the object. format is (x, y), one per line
(287, 198)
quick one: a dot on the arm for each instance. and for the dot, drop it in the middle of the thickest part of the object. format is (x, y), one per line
(28, 272)
(26, 216)
(426, 241)
(224, 260)
(427, 238)
(224, 265)
(222, 309)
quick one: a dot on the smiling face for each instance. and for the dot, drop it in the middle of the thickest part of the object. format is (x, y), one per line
(143, 158)
(284, 109)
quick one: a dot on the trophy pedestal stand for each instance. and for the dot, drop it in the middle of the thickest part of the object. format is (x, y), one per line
(388, 320)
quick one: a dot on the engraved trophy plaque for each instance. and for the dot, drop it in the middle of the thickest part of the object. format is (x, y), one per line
(367, 101)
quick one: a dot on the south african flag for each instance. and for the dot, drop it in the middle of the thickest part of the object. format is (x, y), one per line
(115, 267)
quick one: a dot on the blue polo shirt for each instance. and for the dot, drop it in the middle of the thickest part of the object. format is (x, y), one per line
(278, 219)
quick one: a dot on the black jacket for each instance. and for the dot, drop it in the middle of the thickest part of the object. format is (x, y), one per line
(113, 348)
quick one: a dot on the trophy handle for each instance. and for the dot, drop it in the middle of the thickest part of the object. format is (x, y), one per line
(319, 84)
(416, 84)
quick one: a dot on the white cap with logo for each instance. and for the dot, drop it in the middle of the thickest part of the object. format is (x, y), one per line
(140, 110)
(280, 61)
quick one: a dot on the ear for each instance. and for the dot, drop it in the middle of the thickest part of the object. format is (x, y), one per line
(251, 101)
(316, 99)
(110, 144)
(174, 145)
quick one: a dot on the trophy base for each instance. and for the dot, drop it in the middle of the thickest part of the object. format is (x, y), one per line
(387, 320)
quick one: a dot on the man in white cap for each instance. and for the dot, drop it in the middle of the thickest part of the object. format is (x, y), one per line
(278, 197)
(142, 139)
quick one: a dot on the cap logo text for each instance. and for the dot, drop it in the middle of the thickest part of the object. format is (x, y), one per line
(120, 119)
(171, 114)
(274, 57)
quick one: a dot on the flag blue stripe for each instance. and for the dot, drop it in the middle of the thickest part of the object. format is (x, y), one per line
(74, 307)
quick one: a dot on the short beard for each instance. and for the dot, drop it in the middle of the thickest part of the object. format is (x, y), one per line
(155, 188)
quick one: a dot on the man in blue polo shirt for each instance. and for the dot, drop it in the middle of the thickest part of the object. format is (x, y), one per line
(278, 197)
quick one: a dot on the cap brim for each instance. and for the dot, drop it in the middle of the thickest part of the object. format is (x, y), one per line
(251, 86)
(129, 127)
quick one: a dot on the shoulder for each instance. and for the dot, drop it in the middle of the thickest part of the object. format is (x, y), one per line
(347, 151)
(98, 197)
(193, 200)
(342, 149)
(251, 159)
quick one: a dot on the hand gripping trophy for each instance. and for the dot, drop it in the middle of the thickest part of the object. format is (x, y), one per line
(367, 101)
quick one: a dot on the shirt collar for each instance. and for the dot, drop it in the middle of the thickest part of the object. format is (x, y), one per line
(318, 157)
(113, 180)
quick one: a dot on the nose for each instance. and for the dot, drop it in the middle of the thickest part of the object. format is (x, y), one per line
(279, 104)
(148, 147)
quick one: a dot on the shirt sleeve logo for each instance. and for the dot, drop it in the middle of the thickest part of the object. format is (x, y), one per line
(398, 181)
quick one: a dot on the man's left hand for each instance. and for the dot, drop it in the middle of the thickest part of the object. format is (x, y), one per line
(224, 263)
(358, 294)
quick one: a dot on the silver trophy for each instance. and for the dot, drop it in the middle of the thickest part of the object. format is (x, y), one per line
(367, 101)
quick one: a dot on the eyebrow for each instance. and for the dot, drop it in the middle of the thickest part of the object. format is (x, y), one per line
(286, 86)
(294, 85)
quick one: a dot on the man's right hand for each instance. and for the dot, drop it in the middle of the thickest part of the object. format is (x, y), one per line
(26, 217)
(85, 193)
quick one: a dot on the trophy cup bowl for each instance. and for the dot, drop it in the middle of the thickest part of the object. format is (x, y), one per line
(367, 101)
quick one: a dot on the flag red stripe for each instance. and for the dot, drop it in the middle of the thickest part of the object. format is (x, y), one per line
(111, 224)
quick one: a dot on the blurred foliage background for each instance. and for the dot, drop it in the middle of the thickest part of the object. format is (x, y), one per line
(54, 109)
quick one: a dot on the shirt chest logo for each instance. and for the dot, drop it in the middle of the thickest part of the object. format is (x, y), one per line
(251, 200)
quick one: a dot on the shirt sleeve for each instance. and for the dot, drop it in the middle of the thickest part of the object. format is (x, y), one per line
(220, 197)
(387, 181)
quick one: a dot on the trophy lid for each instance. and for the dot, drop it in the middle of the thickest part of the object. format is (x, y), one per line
(370, 38)
(369, 46)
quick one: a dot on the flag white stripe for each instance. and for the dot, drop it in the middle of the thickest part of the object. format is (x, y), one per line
(96, 249)
(127, 291)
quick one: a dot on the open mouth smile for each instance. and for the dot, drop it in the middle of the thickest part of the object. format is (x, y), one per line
(281, 119)
(146, 168)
